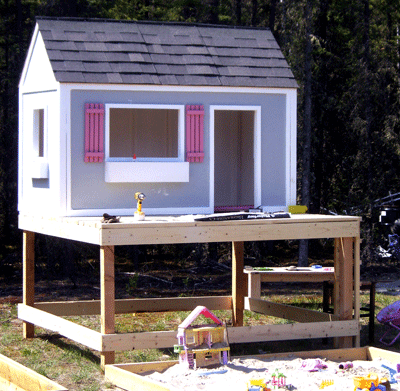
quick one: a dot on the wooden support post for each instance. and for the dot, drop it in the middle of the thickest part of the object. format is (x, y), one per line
(357, 283)
(344, 284)
(28, 288)
(107, 298)
(254, 285)
(371, 322)
(238, 283)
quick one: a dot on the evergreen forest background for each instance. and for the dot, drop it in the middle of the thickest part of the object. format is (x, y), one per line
(345, 55)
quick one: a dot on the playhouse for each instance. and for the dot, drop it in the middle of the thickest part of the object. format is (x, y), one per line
(199, 118)
(202, 345)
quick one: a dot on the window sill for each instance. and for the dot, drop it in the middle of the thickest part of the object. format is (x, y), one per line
(146, 172)
(39, 169)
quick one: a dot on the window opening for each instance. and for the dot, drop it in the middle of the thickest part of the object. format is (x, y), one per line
(146, 133)
(38, 132)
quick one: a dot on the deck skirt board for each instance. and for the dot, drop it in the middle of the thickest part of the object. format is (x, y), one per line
(170, 230)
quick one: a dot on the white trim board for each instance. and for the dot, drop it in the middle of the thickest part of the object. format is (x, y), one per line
(158, 88)
(291, 147)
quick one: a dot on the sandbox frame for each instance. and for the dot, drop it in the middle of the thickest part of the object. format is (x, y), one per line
(131, 377)
(344, 323)
(17, 377)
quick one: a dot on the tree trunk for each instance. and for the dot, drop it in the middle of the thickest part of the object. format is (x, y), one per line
(306, 174)
(254, 10)
(214, 11)
(272, 15)
(238, 12)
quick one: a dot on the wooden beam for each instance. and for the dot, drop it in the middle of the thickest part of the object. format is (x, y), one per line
(66, 328)
(28, 284)
(128, 306)
(281, 332)
(169, 230)
(68, 228)
(244, 334)
(238, 283)
(288, 276)
(375, 353)
(16, 377)
(236, 231)
(143, 367)
(143, 340)
(166, 339)
(123, 378)
(107, 298)
(288, 312)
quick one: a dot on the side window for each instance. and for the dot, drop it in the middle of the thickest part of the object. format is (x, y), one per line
(39, 166)
(39, 133)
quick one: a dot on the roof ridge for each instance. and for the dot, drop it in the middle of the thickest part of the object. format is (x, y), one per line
(167, 23)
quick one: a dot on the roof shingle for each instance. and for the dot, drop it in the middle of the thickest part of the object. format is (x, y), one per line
(128, 52)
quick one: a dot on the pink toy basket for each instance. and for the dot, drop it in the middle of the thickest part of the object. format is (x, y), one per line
(390, 317)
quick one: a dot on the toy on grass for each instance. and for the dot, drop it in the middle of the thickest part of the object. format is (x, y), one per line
(139, 215)
(202, 345)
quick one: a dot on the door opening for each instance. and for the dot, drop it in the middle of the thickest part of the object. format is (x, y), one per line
(234, 160)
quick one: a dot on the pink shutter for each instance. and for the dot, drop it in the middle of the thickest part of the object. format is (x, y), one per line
(94, 123)
(194, 133)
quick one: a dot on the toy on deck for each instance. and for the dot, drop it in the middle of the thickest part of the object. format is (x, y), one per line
(139, 215)
(202, 345)
(297, 209)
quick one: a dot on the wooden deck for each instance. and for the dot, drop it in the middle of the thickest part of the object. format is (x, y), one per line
(174, 230)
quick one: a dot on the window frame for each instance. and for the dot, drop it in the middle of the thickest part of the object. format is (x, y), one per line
(181, 131)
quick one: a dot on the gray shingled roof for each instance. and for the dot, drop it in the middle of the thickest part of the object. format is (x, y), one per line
(128, 52)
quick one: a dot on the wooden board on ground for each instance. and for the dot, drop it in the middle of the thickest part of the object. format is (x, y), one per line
(132, 376)
(16, 377)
